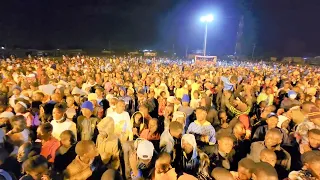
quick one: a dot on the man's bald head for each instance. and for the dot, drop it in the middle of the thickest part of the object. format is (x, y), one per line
(221, 174)
(83, 147)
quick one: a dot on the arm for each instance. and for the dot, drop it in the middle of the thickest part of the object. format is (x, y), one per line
(74, 129)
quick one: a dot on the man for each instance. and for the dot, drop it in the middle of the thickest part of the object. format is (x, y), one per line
(264, 171)
(46, 87)
(260, 133)
(86, 124)
(266, 95)
(16, 94)
(201, 128)
(311, 162)
(221, 154)
(272, 141)
(291, 101)
(219, 173)
(186, 109)
(171, 137)
(98, 110)
(85, 163)
(121, 121)
(245, 168)
(242, 143)
(49, 143)
(143, 160)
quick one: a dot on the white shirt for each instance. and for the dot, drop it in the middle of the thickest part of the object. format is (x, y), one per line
(47, 89)
(58, 128)
(122, 120)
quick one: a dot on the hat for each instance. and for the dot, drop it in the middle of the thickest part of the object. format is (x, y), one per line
(171, 99)
(6, 114)
(272, 114)
(190, 139)
(292, 94)
(314, 113)
(87, 105)
(281, 119)
(23, 102)
(185, 98)
(76, 90)
(92, 96)
(145, 150)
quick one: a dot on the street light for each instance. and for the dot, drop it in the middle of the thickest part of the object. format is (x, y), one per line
(206, 19)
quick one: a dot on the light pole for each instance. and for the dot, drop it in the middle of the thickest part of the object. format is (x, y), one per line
(206, 19)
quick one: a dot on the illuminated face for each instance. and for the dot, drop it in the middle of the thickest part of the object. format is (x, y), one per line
(243, 173)
(186, 146)
(57, 114)
(86, 112)
(225, 145)
(272, 122)
(272, 140)
(201, 114)
(314, 140)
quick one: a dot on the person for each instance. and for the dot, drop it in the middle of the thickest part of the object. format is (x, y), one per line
(16, 91)
(311, 170)
(195, 100)
(242, 143)
(171, 137)
(189, 111)
(85, 163)
(273, 140)
(268, 156)
(86, 124)
(220, 173)
(260, 133)
(113, 102)
(111, 174)
(137, 124)
(122, 121)
(314, 140)
(97, 110)
(291, 101)
(60, 123)
(9, 163)
(193, 161)
(21, 106)
(49, 143)
(153, 132)
(108, 143)
(66, 153)
(36, 168)
(201, 128)
(221, 154)
(245, 169)
(142, 160)
(24, 152)
(264, 171)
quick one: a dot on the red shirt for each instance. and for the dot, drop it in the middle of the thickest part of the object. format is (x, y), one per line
(49, 148)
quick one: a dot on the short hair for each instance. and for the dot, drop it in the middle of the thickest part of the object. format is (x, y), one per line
(247, 163)
(47, 127)
(265, 169)
(39, 93)
(310, 157)
(202, 108)
(273, 108)
(275, 131)
(83, 147)
(61, 107)
(220, 173)
(223, 135)
(17, 118)
(73, 139)
(314, 131)
(34, 162)
(175, 125)
(111, 174)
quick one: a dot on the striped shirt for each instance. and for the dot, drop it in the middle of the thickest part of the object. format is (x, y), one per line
(205, 129)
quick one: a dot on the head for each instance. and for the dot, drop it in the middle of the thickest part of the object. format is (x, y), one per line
(188, 143)
(314, 138)
(18, 123)
(245, 168)
(56, 97)
(70, 101)
(196, 94)
(272, 121)
(111, 174)
(21, 106)
(239, 130)
(225, 143)
(86, 149)
(24, 151)
(106, 127)
(113, 102)
(311, 161)
(314, 115)
(44, 131)
(223, 116)
(176, 129)
(67, 138)
(58, 111)
(38, 96)
(120, 107)
(87, 109)
(93, 97)
(220, 173)
(201, 114)
(145, 150)
(162, 166)
(273, 138)
(264, 171)
(268, 156)
(36, 167)
(153, 125)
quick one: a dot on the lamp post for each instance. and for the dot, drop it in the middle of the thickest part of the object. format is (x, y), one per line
(206, 19)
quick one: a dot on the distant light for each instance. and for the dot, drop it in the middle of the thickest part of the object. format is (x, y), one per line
(305, 58)
(145, 50)
(2, 47)
(207, 18)
(58, 49)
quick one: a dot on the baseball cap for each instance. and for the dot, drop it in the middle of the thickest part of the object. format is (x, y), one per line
(87, 105)
(145, 150)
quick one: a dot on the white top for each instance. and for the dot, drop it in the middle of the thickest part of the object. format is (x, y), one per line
(58, 128)
(122, 120)
(47, 89)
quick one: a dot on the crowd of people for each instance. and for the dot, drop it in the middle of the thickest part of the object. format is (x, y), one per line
(122, 118)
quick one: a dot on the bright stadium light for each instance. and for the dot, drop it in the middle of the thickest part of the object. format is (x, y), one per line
(206, 19)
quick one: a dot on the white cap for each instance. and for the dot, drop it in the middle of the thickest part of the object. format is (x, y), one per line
(76, 90)
(171, 99)
(145, 150)
(178, 114)
(189, 138)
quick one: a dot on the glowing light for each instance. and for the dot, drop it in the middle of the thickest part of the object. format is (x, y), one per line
(207, 18)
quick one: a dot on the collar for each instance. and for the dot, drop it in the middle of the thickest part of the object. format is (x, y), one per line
(206, 123)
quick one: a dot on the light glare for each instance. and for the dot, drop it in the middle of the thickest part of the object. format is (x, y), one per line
(207, 18)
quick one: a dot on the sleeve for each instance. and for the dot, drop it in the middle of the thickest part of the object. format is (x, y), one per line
(190, 128)
(212, 139)
(271, 97)
(74, 129)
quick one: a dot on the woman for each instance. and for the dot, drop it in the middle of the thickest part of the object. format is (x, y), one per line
(72, 108)
(60, 123)
(137, 124)
(66, 152)
(21, 108)
(153, 131)
(36, 168)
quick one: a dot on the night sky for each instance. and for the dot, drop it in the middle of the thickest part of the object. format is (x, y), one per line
(277, 27)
